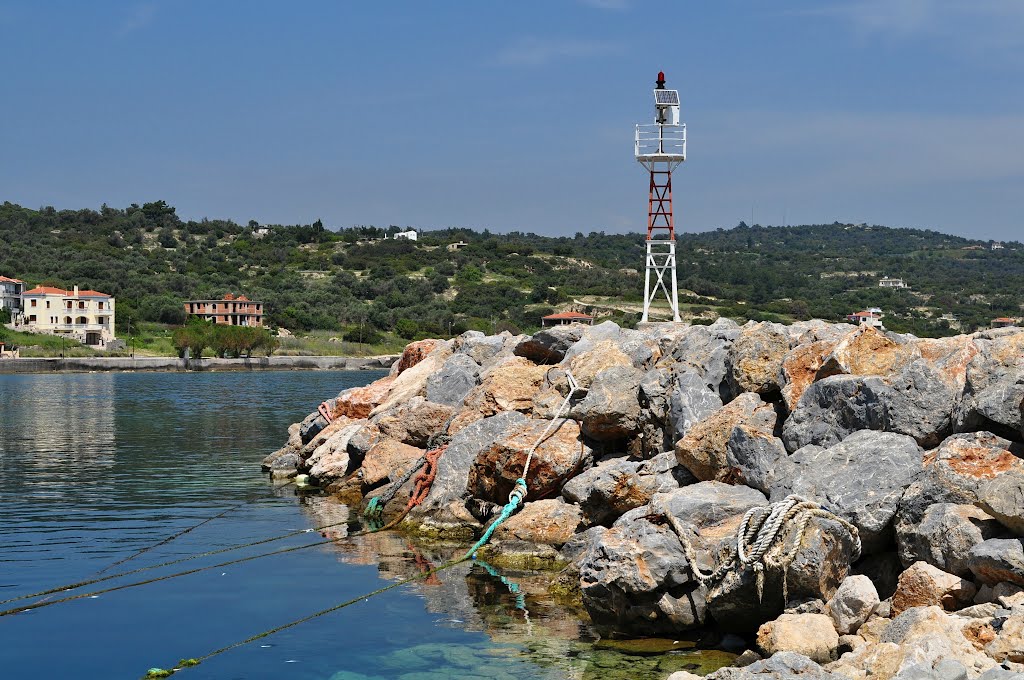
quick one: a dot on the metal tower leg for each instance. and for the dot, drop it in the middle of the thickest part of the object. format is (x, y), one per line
(661, 242)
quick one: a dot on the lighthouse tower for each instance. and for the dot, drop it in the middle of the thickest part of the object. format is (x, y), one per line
(660, 147)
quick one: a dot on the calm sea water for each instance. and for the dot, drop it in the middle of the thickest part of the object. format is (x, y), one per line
(95, 468)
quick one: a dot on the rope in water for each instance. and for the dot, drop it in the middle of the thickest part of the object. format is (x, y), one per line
(189, 529)
(166, 673)
(515, 499)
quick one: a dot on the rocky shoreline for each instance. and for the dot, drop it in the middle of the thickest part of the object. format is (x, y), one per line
(905, 560)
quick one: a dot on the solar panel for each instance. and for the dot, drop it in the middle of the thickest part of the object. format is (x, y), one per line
(666, 97)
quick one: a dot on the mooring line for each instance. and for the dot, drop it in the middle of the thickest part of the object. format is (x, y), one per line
(155, 579)
(185, 663)
(209, 553)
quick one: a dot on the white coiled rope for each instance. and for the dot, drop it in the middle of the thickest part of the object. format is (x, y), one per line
(757, 535)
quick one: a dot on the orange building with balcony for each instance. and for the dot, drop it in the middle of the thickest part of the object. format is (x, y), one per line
(229, 311)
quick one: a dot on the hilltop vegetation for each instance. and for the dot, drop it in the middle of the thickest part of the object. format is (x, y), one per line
(356, 281)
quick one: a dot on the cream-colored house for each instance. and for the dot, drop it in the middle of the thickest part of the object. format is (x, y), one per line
(84, 315)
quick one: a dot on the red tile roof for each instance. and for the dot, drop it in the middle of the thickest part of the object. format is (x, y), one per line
(568, 315)
(50, 290)
(10, 280)
(1005, 319)
(868, 314)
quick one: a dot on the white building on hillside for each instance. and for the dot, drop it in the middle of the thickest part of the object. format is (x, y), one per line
(10, 295)
(892, 283)
(83, 315)
(869, 317)
(411, 235)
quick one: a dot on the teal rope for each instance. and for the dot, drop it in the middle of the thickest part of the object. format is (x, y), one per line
(512, 586)
(514, 500)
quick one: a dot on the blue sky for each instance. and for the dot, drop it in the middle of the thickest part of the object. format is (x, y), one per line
(519, 115)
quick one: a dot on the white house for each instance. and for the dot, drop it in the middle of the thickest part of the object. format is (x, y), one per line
(84, 315)
(411, 235)
(892, 283)
(869, 317)
(10, 295)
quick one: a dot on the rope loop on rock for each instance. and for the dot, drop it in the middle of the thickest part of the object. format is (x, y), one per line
(757, 536)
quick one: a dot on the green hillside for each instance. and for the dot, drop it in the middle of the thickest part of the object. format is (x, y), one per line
(355, 280)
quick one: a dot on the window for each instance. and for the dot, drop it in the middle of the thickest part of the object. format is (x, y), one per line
(47, 304)
(33, 305)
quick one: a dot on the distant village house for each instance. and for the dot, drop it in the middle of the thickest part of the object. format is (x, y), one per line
(411, 235)
(564, 318)
(10, 295)
(892, 283)
(230, 310)
(452, 247)
(870, 317)
(1003, 322)
(83, 315)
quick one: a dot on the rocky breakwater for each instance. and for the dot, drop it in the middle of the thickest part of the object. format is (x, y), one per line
(909, 562)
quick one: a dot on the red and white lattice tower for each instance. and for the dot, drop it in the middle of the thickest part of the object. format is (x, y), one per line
(661, 147)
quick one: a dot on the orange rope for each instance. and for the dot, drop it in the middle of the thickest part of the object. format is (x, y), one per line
(424, 480)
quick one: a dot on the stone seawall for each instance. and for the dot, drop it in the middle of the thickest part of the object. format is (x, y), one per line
(286, 363)
(848, 501)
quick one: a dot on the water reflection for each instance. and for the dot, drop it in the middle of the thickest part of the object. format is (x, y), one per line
(528, 626)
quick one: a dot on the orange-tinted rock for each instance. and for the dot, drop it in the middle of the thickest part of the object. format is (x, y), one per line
(414, 353)
(800, 368)
(605, 354)
(558, 458)
(923, 585)
(703, 450)
(359, 401)
(388, 459)
(510, 386)
(415, 421)
(551, 521)
(867, 351)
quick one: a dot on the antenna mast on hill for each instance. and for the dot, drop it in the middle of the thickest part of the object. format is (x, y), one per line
(661, 147)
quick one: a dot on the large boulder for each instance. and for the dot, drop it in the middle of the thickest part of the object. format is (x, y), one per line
(551, 521)
(412, 381)
(853, 602)
(994, 391)
(811, 635)
(754, 456)
(1003, 495)
(331, 461)
(586, 365)
(691, 402)
(705, 351)
(800, 368)
(915, 402)
(558, 457)
(358, 402)
(450, 385)
(483, 349)
(414, 422)
(755, 360)
(703, 450)
(509, 385)
(616, 486)
(922, 585)
(779, 666)
(548, 346)
(861, 479)
(954, 473)
(944, 536)
(611, 409)
(637, 578)
(414, 353)
(386, 461)
(451, 484)
(868, 351)
(311, 426)
(997, 560)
